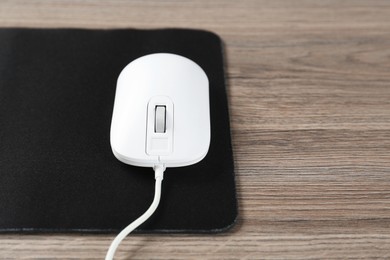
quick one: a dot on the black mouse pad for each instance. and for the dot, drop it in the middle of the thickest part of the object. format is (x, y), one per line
(57, 170)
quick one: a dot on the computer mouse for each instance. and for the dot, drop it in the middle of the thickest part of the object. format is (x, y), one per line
(161, 112)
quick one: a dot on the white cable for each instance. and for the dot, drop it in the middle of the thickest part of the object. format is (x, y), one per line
(158, 174)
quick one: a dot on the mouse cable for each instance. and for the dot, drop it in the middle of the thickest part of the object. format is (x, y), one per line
(158, 175)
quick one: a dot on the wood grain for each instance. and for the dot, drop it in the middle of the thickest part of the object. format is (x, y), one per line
(309, 95)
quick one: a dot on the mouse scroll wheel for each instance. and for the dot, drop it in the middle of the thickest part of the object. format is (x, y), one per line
(160, 119)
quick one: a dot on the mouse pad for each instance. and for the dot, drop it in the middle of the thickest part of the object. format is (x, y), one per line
(57, 170)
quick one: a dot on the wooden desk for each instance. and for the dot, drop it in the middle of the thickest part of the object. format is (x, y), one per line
(309, 94)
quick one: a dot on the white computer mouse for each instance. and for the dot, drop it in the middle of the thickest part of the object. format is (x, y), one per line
(161, 112)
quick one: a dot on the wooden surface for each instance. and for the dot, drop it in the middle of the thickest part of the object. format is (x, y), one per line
(309, 95)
